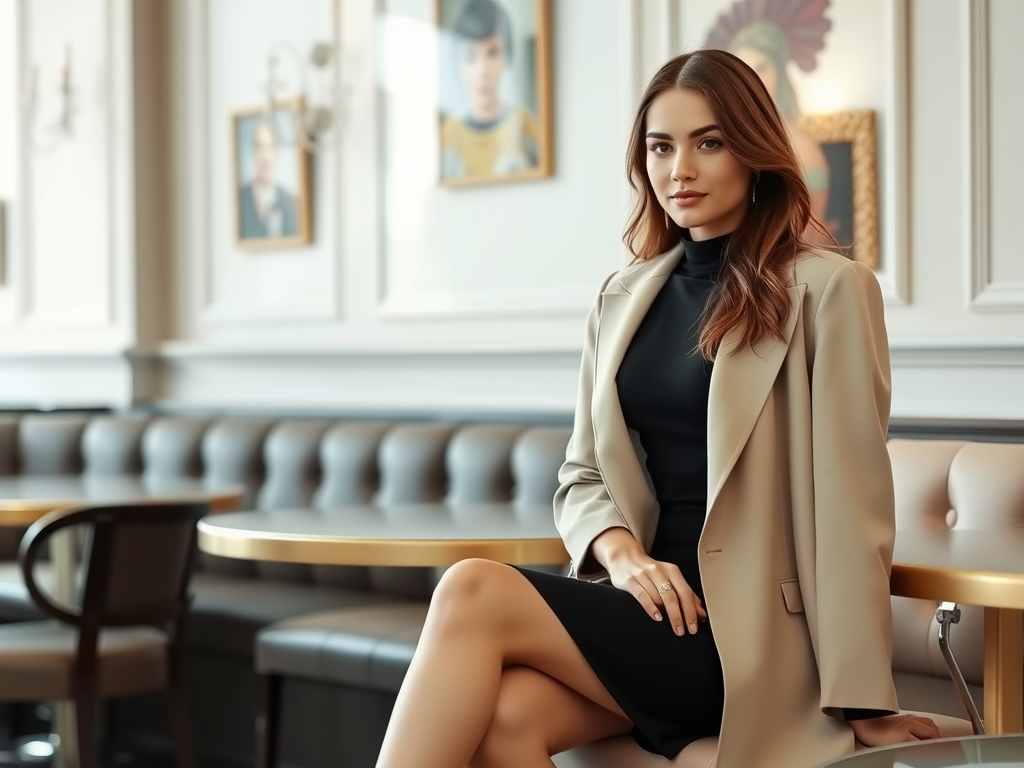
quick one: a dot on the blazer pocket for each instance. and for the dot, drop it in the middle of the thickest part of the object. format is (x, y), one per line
(792, 596)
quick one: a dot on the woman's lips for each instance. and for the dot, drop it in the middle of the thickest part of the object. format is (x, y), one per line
(687, 199)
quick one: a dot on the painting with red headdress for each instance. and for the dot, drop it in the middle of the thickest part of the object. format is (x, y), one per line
(816, 58)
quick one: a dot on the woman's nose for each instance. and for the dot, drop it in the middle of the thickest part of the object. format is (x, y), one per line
(683, 167)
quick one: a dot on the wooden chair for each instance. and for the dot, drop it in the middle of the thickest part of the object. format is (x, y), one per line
(126, 639)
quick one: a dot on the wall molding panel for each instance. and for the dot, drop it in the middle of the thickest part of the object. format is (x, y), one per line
(894, 275)
(206, 124)
(72, 266)
(375, 382)
(986, 295)
(68, 380)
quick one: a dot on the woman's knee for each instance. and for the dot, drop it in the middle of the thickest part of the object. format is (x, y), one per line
(471, 592)
(515, 734)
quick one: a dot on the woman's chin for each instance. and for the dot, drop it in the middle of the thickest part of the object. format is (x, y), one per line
(688, 220)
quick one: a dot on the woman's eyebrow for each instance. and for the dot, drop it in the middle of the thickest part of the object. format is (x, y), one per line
(693, 134)
(705, 129)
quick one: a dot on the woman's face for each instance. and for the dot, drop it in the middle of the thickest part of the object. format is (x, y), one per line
(764, 67)
(697, 180)
(481, 64)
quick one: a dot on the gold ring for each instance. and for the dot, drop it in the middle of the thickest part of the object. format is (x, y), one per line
(666, 587)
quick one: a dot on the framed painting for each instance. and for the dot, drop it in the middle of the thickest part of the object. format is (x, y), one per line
(494, 90)
(272, 188)
(810, 56)
(850, 204)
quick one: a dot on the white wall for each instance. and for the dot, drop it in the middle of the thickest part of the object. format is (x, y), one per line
(410, 270)
(415, 297)
(71, 265)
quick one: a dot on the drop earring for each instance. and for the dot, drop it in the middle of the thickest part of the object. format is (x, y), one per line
(753, 192)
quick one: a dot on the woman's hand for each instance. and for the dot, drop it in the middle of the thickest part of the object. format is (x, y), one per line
(894, 729)
(657, 586)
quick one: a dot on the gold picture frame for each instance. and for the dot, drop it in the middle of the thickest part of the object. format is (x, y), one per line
(271, 177)
(514, 140)
(849, 142)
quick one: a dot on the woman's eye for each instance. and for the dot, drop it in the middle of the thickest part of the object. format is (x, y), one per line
(709, 144)
(660, 148)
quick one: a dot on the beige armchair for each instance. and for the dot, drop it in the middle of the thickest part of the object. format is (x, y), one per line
(948, 484)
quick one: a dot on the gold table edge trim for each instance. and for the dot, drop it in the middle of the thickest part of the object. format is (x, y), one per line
(25, 513)
(330, 550)
(932, 582)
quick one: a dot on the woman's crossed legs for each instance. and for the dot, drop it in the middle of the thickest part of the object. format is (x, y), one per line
(495, 681)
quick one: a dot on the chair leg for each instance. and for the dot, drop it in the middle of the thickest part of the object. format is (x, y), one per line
(85, 722)
(181, 720)
(268, 709)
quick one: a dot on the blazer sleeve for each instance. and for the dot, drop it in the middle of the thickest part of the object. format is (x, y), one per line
(854, 504)
(583, 507)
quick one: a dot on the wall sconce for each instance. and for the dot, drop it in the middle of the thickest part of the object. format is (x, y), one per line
(315, 117)
(44, 137)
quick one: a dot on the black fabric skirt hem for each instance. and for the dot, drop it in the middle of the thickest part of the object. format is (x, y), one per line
(670, 687)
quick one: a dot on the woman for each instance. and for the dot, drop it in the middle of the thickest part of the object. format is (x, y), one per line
(727, 474)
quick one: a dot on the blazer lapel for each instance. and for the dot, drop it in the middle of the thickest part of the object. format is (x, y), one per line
(740, 383)
(625, 304)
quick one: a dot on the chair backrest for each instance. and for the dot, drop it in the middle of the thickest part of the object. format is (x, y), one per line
(138, 563)
(942, 485)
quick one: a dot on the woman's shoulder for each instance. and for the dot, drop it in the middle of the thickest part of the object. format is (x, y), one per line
(849, 283)
(626, 279)
(817, 267)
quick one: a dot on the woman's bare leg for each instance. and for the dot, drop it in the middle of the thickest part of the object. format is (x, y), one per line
(535, 717)
(484, 617)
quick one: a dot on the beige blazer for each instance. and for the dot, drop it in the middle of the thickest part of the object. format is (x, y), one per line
(797, 542)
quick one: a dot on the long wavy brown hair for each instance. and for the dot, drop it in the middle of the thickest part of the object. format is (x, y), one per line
(752, 289)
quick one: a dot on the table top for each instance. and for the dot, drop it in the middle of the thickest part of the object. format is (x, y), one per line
(993, 751)
(26, 498)
(977, 567)
(974, 567)
(405, 534)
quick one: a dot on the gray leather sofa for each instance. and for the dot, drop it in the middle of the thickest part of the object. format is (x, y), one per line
(339, 690)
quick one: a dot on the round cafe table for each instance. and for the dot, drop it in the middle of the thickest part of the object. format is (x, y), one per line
(975, 567)
(402, 535)
(996, 751)
(27, 498)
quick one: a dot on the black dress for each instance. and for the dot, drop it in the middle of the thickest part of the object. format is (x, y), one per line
(669, 686)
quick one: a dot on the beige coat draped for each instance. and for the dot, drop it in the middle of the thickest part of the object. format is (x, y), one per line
(797, 542)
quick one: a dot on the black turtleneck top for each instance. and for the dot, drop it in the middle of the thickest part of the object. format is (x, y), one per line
(663, 386)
